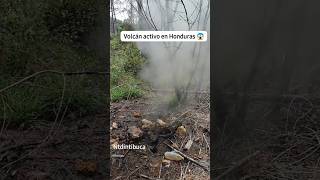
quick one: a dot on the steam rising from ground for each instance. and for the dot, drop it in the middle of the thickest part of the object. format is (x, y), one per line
(183, 66)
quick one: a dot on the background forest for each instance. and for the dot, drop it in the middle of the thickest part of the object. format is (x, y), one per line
(48, 35)
(53, 89)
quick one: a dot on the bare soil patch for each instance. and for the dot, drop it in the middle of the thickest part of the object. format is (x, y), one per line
(151, 163)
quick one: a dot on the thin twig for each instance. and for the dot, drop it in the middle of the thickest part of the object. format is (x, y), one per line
(160, 168)
(187, 157)
(48, 137)
(186, 12)
(50, 71)
(147, 177)
(117, 156)
(134, 171)
(205, 139)
(4, 117)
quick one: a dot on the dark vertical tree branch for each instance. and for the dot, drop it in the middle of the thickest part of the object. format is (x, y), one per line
(186, 12)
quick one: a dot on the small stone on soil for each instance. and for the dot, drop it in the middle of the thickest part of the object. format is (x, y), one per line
(135, 132)
(136, 114)
(113, 140)
(188, 145)
(166, 162)
(173, 156)
(181, 131)
(146, 124)
(161, 123)
(114, 125)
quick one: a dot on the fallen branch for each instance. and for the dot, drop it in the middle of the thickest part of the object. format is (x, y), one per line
(117, 156)
(147, 177)
(189, 158)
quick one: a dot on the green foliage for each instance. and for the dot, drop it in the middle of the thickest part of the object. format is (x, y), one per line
(37, 34)
(69, 20)
(20, 105)
(134, 59)
(44, 96)
(23, 33)
(78, 96)
(173, 102)
(125, 26)
(126, 91)
(131, 57)
(126, 61)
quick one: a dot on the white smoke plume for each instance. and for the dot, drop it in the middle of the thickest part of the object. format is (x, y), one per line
(179, 66)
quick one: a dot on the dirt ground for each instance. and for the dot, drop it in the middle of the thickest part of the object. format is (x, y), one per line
(286, 148)
(148, 163)
(76, 151)
(77, 148)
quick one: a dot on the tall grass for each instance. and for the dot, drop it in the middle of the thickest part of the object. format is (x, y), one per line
(126, 62)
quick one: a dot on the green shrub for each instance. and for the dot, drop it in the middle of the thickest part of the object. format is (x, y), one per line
(69, 20)
(42, 97)
(38, 35)
(126, 61)
(21, 105)
(126, 91)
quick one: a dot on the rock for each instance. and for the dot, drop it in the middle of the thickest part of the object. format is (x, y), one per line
(114, 125)
(113, 140)
(162, 123)
(188, 145)
(114, 143)
(173, 156)
(181, 131)
(166, 163)
(136, 114)
(135, 132)
(146, 124)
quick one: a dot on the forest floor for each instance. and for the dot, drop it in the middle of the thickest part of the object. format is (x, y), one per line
(76, 150)
(150, 163)
(286, 148)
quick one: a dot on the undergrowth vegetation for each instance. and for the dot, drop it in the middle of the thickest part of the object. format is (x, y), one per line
(37, 35)
(126, 62)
